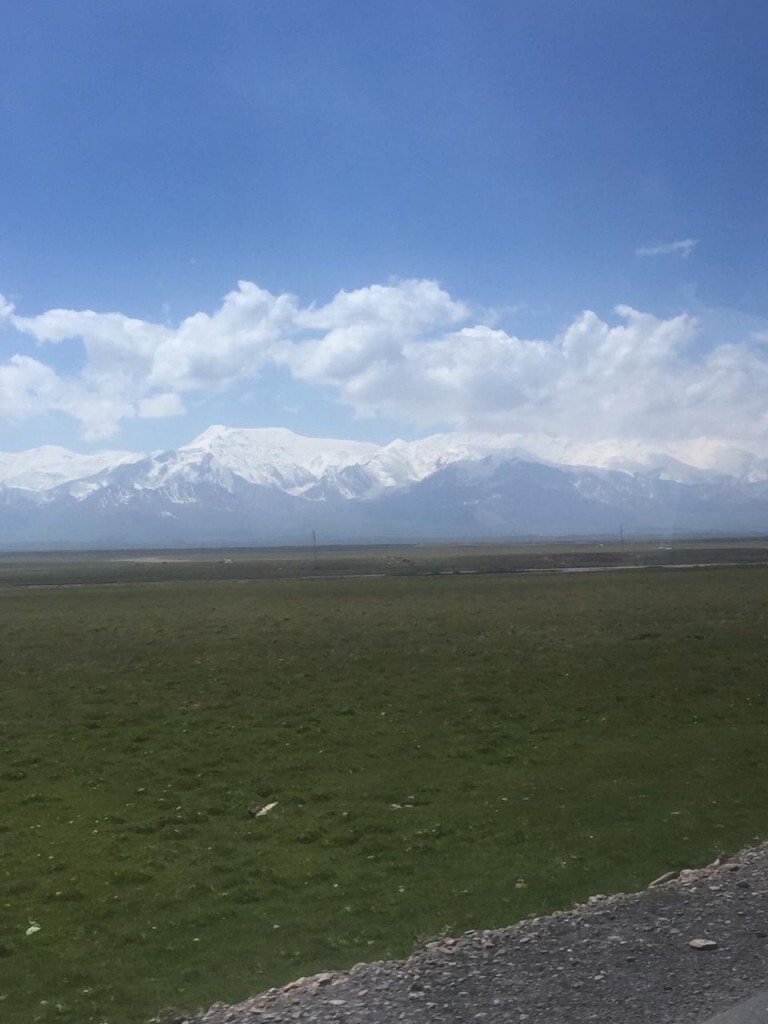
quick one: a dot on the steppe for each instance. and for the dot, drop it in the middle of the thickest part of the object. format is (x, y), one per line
(453, 739)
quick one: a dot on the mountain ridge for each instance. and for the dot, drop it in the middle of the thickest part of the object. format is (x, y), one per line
(270, 485)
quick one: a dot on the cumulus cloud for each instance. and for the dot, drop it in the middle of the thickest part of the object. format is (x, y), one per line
(410, 351)
(157, 407)
(682, 248)
(213, 352)
(26, 387)
(6, 307)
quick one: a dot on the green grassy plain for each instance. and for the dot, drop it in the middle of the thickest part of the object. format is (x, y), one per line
(445, 752)
(185, 565)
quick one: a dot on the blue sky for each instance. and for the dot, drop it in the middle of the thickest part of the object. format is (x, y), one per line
(466, 178)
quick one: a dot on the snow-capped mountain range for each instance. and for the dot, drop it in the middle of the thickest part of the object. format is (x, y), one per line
(269, 485)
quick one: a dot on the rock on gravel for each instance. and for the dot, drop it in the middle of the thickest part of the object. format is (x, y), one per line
(626, 958)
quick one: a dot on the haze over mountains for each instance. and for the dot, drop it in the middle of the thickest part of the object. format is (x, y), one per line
(271, 486)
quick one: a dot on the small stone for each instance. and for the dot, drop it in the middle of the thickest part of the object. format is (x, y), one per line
(266, 809)
(173, 1015)
(324, 979)
(702, 944)
(295, 984)
(666, 877)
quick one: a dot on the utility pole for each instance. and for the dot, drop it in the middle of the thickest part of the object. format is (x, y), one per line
(621, 535)
(314, 547)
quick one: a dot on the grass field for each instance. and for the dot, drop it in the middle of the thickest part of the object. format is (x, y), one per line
(445, 752)
(80, 568)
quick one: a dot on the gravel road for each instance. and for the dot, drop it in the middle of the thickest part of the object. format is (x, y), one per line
(620, 959)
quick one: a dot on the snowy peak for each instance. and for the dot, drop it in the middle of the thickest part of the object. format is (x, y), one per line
(43, 469)
(275, 456)
(403, 463)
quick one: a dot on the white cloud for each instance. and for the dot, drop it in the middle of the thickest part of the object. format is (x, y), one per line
(368, 327)
(29, 388)
(408, 351)
(594, 380)
(212, 352)
(156, 407)
(26, 388)
(682, 248)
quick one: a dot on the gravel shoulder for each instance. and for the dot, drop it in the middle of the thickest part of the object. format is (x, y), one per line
(623, 958)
